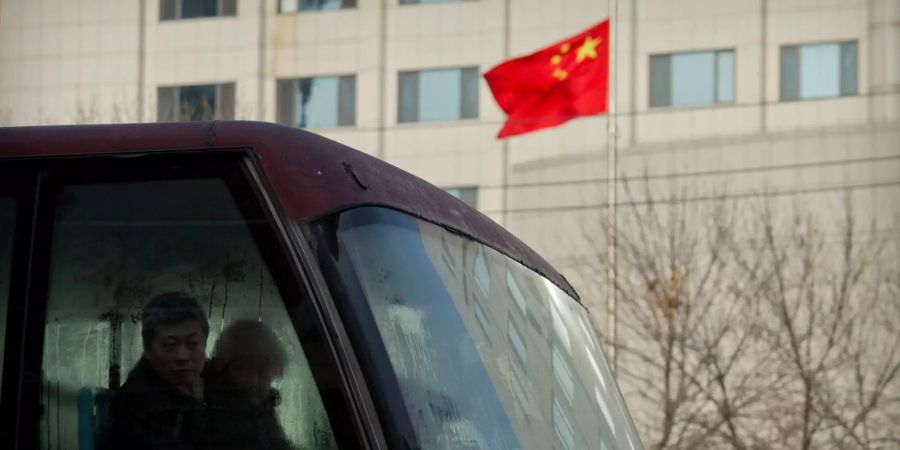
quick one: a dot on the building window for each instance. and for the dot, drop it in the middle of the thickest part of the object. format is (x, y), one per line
(319, 102)
(517, 344)
(469, 195)
(692, 78)
(193, 9)
(482, 273)
(515, 293)
(563, 427)
(191, 103)
(818, 70)
(433, 95)
(289, 6)
(417, 2)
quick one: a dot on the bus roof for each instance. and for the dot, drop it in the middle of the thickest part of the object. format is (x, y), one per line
(312, 176)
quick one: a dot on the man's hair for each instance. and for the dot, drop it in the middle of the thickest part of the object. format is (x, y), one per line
(171, 307)
(250, 340)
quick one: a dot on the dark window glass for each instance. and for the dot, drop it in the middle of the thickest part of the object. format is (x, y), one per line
(229, 8)
(408, 101)
(314, 5)
(790, 73)
(285, 91)
(416, 2)
(198, 8)
(346, 100)
(7, 228)
(168, 9)
(660, 80)
(848, 68)
(115, 247)
(190, 9)
(166, 101)
(469, 93)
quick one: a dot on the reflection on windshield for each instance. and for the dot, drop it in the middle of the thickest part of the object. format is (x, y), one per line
(488, 354)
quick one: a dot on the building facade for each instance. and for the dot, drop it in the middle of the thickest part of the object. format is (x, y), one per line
(792, 102)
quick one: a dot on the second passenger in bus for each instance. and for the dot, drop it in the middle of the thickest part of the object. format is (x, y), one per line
(245, 361)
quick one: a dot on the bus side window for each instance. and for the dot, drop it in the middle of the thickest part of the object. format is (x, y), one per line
(117, 245)
(7, 224)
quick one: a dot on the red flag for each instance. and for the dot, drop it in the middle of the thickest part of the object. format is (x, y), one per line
(554, 85)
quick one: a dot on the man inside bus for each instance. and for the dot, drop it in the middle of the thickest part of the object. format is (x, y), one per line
(162, 404)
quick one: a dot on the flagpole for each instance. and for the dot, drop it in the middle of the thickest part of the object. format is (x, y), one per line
(505, 146)
(611, 138)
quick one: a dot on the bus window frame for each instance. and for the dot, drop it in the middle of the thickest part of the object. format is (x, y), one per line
(35, 185)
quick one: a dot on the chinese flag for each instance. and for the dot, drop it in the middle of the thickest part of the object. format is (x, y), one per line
(554, 85)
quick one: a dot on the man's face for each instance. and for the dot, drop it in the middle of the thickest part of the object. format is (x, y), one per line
(178, 352)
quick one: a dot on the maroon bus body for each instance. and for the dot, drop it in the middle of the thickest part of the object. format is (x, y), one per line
(309, 175)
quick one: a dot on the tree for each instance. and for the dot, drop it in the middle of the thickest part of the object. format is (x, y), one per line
(747, 326)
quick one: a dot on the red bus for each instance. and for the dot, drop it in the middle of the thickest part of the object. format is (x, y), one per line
(402, 318)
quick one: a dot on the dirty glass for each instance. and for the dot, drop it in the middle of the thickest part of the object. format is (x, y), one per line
(487, 353)
(7, 227)
(114, 247)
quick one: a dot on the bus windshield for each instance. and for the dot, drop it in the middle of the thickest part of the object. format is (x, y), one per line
(486, 353)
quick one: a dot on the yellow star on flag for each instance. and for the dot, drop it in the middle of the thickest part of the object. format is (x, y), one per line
(588, 49)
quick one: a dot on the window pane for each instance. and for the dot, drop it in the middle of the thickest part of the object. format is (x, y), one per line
(408, 97)
(515, 293)
(225, 108)
(469, 195)
(286, 93)
(563, 427)
(482, 273)
(166, 99)
(819, 71)
(439, 93)
(347, 101)
(168, 9)
(116, 247)
(660, 80)
(319, 5)
(317, 102)
(848, 68)
(725, 77)
(790, 73)
(469, 93)
(229, 8)
(197, 103)
(443, 337)
(7, 228)
(563, 374)
(288, 5)
(692, 79)
(198, 8)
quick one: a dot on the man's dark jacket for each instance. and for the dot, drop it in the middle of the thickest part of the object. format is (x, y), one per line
(148, 413)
